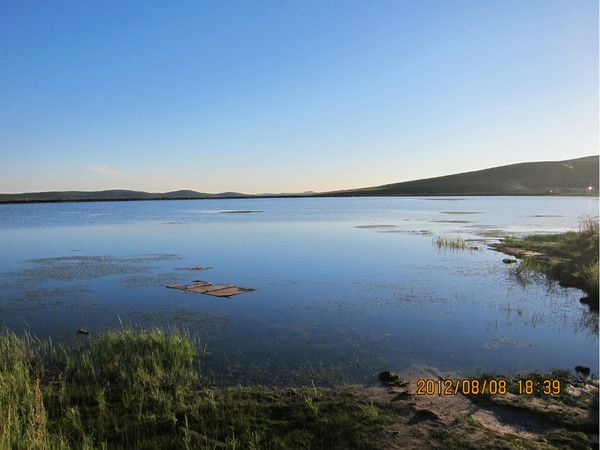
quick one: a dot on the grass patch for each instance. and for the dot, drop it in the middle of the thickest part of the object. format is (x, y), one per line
(570, 258)
(22, 411)
(444, 242)
(259, 417)
(142, 389)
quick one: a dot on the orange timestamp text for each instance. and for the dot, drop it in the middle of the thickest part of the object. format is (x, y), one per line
(491, 386)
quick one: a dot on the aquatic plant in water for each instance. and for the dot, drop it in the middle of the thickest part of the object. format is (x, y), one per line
(445, 242)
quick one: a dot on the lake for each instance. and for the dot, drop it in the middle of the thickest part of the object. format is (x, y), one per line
(344, 287)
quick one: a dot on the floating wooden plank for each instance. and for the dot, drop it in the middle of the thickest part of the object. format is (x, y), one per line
(229, 291)
(200, 283)
(216, 290)
(207, 289)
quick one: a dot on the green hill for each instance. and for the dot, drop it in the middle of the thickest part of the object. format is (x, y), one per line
(570, 177)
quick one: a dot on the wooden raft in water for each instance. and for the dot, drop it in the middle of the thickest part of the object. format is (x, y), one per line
(204, 287)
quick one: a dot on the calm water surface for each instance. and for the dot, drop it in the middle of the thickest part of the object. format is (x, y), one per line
(334, 300)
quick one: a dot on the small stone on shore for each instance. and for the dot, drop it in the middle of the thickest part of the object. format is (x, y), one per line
(388, 378)
(583, 370)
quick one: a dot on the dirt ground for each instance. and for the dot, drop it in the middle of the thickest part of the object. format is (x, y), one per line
(507, 421)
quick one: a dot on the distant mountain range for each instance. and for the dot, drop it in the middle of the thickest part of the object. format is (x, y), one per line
(570, 177)
(111, 195)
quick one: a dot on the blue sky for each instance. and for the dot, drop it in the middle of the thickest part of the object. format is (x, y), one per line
(288, 96)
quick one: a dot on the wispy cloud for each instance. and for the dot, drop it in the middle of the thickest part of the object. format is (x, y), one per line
(106, 171)
(110, 177)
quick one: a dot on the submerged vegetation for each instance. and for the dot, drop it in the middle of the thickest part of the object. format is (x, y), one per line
(571, 258)
(144, 389)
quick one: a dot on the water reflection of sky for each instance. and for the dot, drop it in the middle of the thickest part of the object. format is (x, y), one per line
(331, 300)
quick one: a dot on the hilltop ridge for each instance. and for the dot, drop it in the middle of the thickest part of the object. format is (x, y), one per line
(569, 177)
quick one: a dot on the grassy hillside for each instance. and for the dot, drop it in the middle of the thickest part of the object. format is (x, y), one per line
(570, 177)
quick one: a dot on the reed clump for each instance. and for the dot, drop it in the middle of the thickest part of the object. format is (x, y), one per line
(449, 243)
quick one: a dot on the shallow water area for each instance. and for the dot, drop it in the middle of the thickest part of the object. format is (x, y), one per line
(344, 287)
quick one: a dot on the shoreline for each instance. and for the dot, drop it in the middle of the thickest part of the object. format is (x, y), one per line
(251, 197)
(570, 258)
(143, 388)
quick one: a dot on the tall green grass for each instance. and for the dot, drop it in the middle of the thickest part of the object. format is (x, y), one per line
(124, 387)
(22, 412)
(139, 389)
(122, 383)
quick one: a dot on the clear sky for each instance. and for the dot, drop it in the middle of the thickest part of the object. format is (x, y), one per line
(289, 95)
